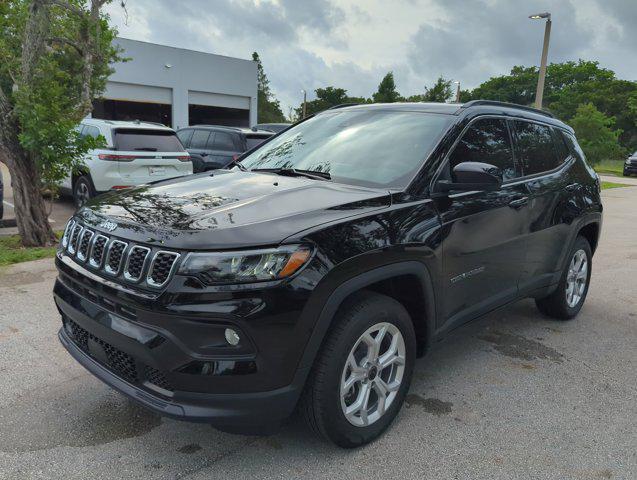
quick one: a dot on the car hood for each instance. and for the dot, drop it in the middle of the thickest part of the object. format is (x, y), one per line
(228, 209)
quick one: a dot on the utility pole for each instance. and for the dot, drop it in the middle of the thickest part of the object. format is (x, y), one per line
(539, 93)
(304, 103)
(457, 91)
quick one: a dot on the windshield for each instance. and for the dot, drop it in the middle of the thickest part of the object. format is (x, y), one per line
(365, 147)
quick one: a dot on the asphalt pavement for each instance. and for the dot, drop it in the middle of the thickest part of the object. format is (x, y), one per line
(513, 396)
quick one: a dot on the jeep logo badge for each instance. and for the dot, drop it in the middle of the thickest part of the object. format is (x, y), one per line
(108, 225)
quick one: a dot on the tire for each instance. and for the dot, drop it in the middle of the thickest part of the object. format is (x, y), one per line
(83, 191)
(323, 404)
(559, 305)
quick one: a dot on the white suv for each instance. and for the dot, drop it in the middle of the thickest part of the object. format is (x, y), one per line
(135, 153)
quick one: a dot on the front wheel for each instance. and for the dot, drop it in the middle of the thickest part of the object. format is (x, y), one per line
(567, 300)
(363, 371)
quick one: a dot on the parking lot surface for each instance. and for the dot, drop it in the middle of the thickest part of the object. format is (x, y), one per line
(514, 395)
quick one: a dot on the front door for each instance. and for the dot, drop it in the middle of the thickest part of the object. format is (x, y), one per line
(483, 233)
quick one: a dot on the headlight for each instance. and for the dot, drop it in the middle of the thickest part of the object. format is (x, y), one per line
(247, 266)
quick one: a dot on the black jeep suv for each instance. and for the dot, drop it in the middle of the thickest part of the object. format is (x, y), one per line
(312, 274)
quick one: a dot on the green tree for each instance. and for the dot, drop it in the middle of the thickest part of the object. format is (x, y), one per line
(326, 98)
(55, 57)
(596, 135)
(268, 107)
(440, 92)
(386, 90)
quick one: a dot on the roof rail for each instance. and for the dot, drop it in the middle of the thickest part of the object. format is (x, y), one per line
(343, 105)
(495, 103)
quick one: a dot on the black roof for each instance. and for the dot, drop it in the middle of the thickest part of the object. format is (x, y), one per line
(483, 106)
(224, 128)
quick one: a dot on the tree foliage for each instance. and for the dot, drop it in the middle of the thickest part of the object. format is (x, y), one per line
(55, 58)
(268, 107)
(440, 92)
(386, 92)
(326, 98)
(596, 135)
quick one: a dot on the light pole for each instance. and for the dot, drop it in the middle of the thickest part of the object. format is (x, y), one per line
(457, 82)
(545, 51)
(304, 102)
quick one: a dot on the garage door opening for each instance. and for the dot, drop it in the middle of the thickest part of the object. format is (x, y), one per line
(126, 110)
(207, 115)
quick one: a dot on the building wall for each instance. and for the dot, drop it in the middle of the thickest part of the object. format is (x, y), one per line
(168, 75)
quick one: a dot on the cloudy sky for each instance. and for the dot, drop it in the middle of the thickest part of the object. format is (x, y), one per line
(307, 44)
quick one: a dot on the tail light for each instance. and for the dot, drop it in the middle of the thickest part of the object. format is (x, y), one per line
(185, 158)
(235, 158)
(116, 158)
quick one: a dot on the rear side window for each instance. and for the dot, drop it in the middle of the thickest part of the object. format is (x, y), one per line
(137, 139)
(561, 147)
(535, 147)
(254, 140)
(199, 139)
(184, 137)
(223, 141)
(486, 141)
(91, 131)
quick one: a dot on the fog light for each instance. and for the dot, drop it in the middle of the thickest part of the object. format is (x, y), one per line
(232, 337)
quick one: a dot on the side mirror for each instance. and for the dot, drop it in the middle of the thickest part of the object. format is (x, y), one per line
(468, 176)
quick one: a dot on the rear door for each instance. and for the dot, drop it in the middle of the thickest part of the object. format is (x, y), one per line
(546, 164)
(483, 233)
(147, 155)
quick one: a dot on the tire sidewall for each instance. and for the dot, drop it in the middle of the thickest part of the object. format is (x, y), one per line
(83, 179)
(339, 429)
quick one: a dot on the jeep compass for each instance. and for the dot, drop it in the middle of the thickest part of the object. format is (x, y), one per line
(311, 275)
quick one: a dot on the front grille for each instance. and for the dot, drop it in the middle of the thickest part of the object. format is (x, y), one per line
(157, 378)
(135, 263)
(161, 268)
(114, 257)
(117, 361)
(85, 243)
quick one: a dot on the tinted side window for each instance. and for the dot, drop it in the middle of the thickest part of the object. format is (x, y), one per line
(223, 141)
(561, 147)
(199, 139)
(90, 131)
(184, 137)
(535, 147)
(486, 141)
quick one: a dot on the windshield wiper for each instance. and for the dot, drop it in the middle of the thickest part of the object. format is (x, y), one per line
(294, 172)
(236, 163)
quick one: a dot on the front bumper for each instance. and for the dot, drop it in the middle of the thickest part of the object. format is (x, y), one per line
(630, 168)
(247, 413)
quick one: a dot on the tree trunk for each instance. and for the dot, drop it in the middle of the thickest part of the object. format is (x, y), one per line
(30, 209)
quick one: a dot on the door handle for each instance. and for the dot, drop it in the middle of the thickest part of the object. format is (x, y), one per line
(519, 202)
(572, 187)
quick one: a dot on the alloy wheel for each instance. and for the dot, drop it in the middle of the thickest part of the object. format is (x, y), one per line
(82, 194)
(373, 374)
(576, 278)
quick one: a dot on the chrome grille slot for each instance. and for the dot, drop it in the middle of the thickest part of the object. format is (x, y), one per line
(161, 268)
(67, 233)
(84, 244)
(114, 257)
(75, 236)
(97, 252)
(135, 263)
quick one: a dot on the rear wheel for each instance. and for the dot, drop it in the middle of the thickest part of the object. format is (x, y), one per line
(567, 300)
(363, 371)
(83, 191)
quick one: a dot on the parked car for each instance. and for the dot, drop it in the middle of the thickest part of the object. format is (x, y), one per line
(313, 273)
(134, 153)
(273, 127)
(213, 147)
(630, 166)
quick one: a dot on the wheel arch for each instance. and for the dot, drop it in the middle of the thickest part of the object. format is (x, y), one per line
(411, 276)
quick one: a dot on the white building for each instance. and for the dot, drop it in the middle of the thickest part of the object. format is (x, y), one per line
(179, 87)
